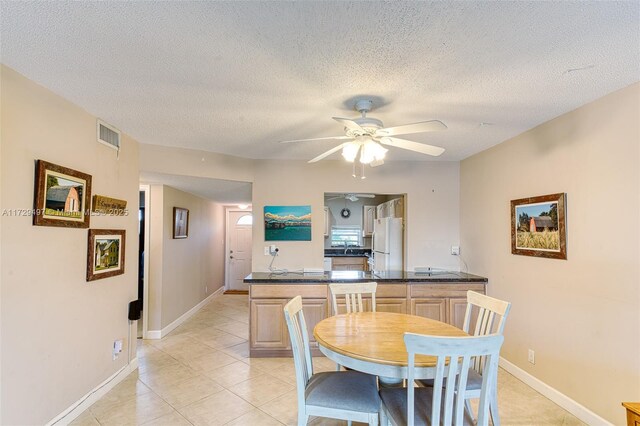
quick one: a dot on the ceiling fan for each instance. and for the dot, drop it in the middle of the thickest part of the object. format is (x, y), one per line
(366, 135)
(351, 197)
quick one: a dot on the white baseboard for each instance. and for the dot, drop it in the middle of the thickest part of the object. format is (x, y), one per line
(159, 334)
(78, 407)
(575, 408)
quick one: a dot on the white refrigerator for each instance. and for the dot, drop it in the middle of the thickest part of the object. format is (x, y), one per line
(387, 244)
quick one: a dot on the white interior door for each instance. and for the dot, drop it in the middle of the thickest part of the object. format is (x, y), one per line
(239, 227)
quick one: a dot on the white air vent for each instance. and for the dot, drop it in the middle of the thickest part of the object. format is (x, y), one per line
(108, 135)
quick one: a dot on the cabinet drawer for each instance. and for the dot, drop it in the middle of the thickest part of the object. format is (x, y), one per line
(391, 290)
(289, 291)
(445, 290)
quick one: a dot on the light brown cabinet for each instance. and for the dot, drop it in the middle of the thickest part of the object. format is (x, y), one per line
(267, 326)
(349, 263)
(268, 332)
(430, 308)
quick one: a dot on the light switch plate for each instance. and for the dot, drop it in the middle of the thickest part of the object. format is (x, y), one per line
(455, 250)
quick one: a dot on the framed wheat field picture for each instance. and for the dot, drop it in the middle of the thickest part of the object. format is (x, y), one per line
(538, 226)
(105, 254)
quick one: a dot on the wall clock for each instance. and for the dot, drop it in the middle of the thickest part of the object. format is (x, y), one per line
(345, 213)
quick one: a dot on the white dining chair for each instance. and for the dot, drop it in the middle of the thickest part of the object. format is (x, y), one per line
(491, 319)
(353, 293)
(444, 402)
(345, 395)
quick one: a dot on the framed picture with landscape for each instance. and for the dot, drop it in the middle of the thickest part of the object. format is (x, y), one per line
(105, 254)
(538, 226)
(287, 223)
(61, 197)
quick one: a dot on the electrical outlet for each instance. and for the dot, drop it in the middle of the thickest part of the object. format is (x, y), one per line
(532, 356)
(455, 250)
(117, 348)
(273, 250)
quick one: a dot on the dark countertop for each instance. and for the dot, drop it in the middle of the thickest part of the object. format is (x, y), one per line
(345, 255)
(359, 276)
(351, 252)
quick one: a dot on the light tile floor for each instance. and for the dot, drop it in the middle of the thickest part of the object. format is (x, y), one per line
(201, 375)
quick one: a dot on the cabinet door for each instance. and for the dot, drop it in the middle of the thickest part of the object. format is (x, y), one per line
(326, 221)
(430, 308)
(268, 328)
(457, 309)
(315, 310)
(385, 304)
(368, 217)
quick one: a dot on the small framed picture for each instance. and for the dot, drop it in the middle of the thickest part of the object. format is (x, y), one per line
(105, 256)
(180, 222)
(61, 197)
(538, 226)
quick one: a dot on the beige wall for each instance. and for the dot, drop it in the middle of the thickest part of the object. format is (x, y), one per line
(183, 272)
(432, 206)
(581, 316)
(57, 329)
(189, 162)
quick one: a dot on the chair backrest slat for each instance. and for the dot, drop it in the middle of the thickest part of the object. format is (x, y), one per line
(352, 293)
(294, 317)
(492, 317)
(454, 355)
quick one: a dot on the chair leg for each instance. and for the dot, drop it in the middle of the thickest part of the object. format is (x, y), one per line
(384, 420)
(469, 410)
(493, 407)
(302, 418)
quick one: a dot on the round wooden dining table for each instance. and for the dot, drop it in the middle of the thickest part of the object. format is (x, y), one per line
(373, 342)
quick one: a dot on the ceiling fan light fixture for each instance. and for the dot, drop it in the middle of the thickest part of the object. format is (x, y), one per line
(372, 151)
(350, 151)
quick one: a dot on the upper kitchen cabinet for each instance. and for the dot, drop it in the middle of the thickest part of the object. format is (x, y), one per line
(368, 217)
(327, 221)
(391, 208)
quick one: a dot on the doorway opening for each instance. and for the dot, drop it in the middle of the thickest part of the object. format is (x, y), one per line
(143, 259)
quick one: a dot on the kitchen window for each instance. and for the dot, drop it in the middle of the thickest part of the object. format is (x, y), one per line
(346, 236)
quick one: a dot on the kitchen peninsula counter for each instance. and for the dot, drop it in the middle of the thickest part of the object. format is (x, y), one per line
(401, 277)
(439, 295)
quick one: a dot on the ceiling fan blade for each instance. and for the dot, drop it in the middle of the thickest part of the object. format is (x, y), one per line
(349, 124)
(412, 146)
(327, 153)
(333, 198)
(366, 195)
(423, 126)
(339, 138)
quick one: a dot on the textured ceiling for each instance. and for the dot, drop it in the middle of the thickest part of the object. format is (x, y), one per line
(237, 77)
(221, 191)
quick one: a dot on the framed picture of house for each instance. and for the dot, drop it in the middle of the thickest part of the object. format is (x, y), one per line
(538, 226)
(105, 254)
(180, 222)
(61, 197)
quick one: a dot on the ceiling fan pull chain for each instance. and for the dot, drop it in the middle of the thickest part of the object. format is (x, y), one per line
(354, 169)
(363, 176)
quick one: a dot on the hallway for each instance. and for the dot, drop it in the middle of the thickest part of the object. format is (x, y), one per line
(201, 375)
